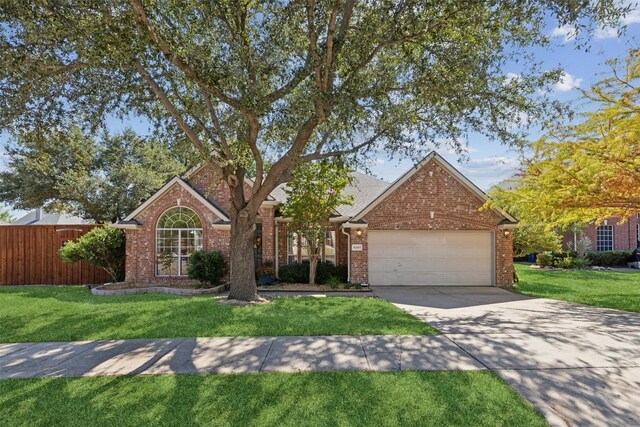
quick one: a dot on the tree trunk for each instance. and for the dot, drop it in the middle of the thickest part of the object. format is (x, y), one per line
(313, 262)
(242, 274)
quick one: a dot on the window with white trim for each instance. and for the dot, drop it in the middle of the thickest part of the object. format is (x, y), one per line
(178, 234)
(330, 246)
(298, 249)
(292, 248)
(604, 238)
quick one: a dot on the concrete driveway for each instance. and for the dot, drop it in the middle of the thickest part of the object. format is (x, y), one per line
(578, 365)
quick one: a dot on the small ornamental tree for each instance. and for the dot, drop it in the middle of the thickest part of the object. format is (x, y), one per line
(313, 194)
(103, 247)
(590, 171)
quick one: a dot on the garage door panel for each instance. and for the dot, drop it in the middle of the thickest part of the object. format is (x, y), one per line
(448, 258)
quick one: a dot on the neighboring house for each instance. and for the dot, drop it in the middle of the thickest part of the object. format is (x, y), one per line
(611, 235)
(424, 229)
(39, 217)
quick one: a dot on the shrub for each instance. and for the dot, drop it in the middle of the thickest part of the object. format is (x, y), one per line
(334, 282)
(581, 263)
(567, 262)
(103, 247)
(299, 272)
(609, 258)
(209, 267)
(545, 259)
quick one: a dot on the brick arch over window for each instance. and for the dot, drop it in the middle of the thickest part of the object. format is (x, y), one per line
(178, 234)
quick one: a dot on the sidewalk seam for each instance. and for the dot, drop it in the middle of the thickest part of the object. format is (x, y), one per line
(267, 354)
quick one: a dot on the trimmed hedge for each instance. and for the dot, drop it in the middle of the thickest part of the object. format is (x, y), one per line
(601, 259)
(609, 258)
(299, 272)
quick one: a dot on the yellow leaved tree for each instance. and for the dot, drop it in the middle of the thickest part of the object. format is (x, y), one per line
(586, 172)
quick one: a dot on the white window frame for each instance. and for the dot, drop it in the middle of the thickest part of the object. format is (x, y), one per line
(598, 237)
(179, 256)
(294, 251)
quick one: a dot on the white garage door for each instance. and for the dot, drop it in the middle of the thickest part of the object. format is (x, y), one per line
(434, 258)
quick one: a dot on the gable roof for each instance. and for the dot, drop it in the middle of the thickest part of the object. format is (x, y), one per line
(448, 167)
(364, 189)
(40, 217)
(219, 211)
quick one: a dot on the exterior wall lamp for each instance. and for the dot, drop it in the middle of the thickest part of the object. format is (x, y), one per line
(507, 233)
(359, 232)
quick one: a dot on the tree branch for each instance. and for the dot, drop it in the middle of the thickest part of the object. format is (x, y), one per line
(182, 123)
(317, 155)
(178, 61)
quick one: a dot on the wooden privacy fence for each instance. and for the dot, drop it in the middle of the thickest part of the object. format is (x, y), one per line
(29, 256)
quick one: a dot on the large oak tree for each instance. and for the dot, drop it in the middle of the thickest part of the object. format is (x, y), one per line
(286, 82)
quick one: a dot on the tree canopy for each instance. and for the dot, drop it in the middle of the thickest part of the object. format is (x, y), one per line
(589, 171)
(103, 178)
(285, 81)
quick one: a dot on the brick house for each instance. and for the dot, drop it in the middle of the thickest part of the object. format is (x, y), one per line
(610, 235)
(426, 228)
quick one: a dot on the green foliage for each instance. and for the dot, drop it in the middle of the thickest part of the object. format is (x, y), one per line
(533, 238)
(313, 195)
(102, 178)
(299, 272)
(581, 263)
(572, 259)
(586, 172)
(209, 267)
(6, 216)
(103, 247)
(334, 282)
(609, 258)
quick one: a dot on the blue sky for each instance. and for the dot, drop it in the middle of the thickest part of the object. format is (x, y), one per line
(490, 162)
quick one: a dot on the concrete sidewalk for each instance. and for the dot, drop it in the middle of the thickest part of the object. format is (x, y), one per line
(232, 355)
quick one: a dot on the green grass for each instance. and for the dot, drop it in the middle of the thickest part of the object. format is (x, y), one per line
(309, 399)
(71, 313)
(608, 289)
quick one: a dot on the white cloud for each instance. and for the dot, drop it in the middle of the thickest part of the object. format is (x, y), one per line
(567, 32)
(606, 33)
(379, 161)
(488, 171)
(634, 14)
(512, 76)
(567, 82)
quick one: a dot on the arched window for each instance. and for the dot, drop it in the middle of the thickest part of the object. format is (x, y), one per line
(178, 234)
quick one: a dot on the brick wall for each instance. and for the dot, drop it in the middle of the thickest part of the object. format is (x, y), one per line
(454, 207)
(625, 235)
(213, 187)
(141, 244)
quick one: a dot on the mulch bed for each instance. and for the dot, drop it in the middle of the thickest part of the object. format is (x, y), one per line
(305, 287)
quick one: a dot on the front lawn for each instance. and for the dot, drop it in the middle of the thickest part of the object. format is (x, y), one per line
(310, 399)
(71, 313)
(608, 289)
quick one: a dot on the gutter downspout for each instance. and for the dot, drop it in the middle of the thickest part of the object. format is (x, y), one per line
(348, 253)
(276, 260)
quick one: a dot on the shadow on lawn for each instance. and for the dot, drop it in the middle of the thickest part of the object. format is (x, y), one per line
(278, 399)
